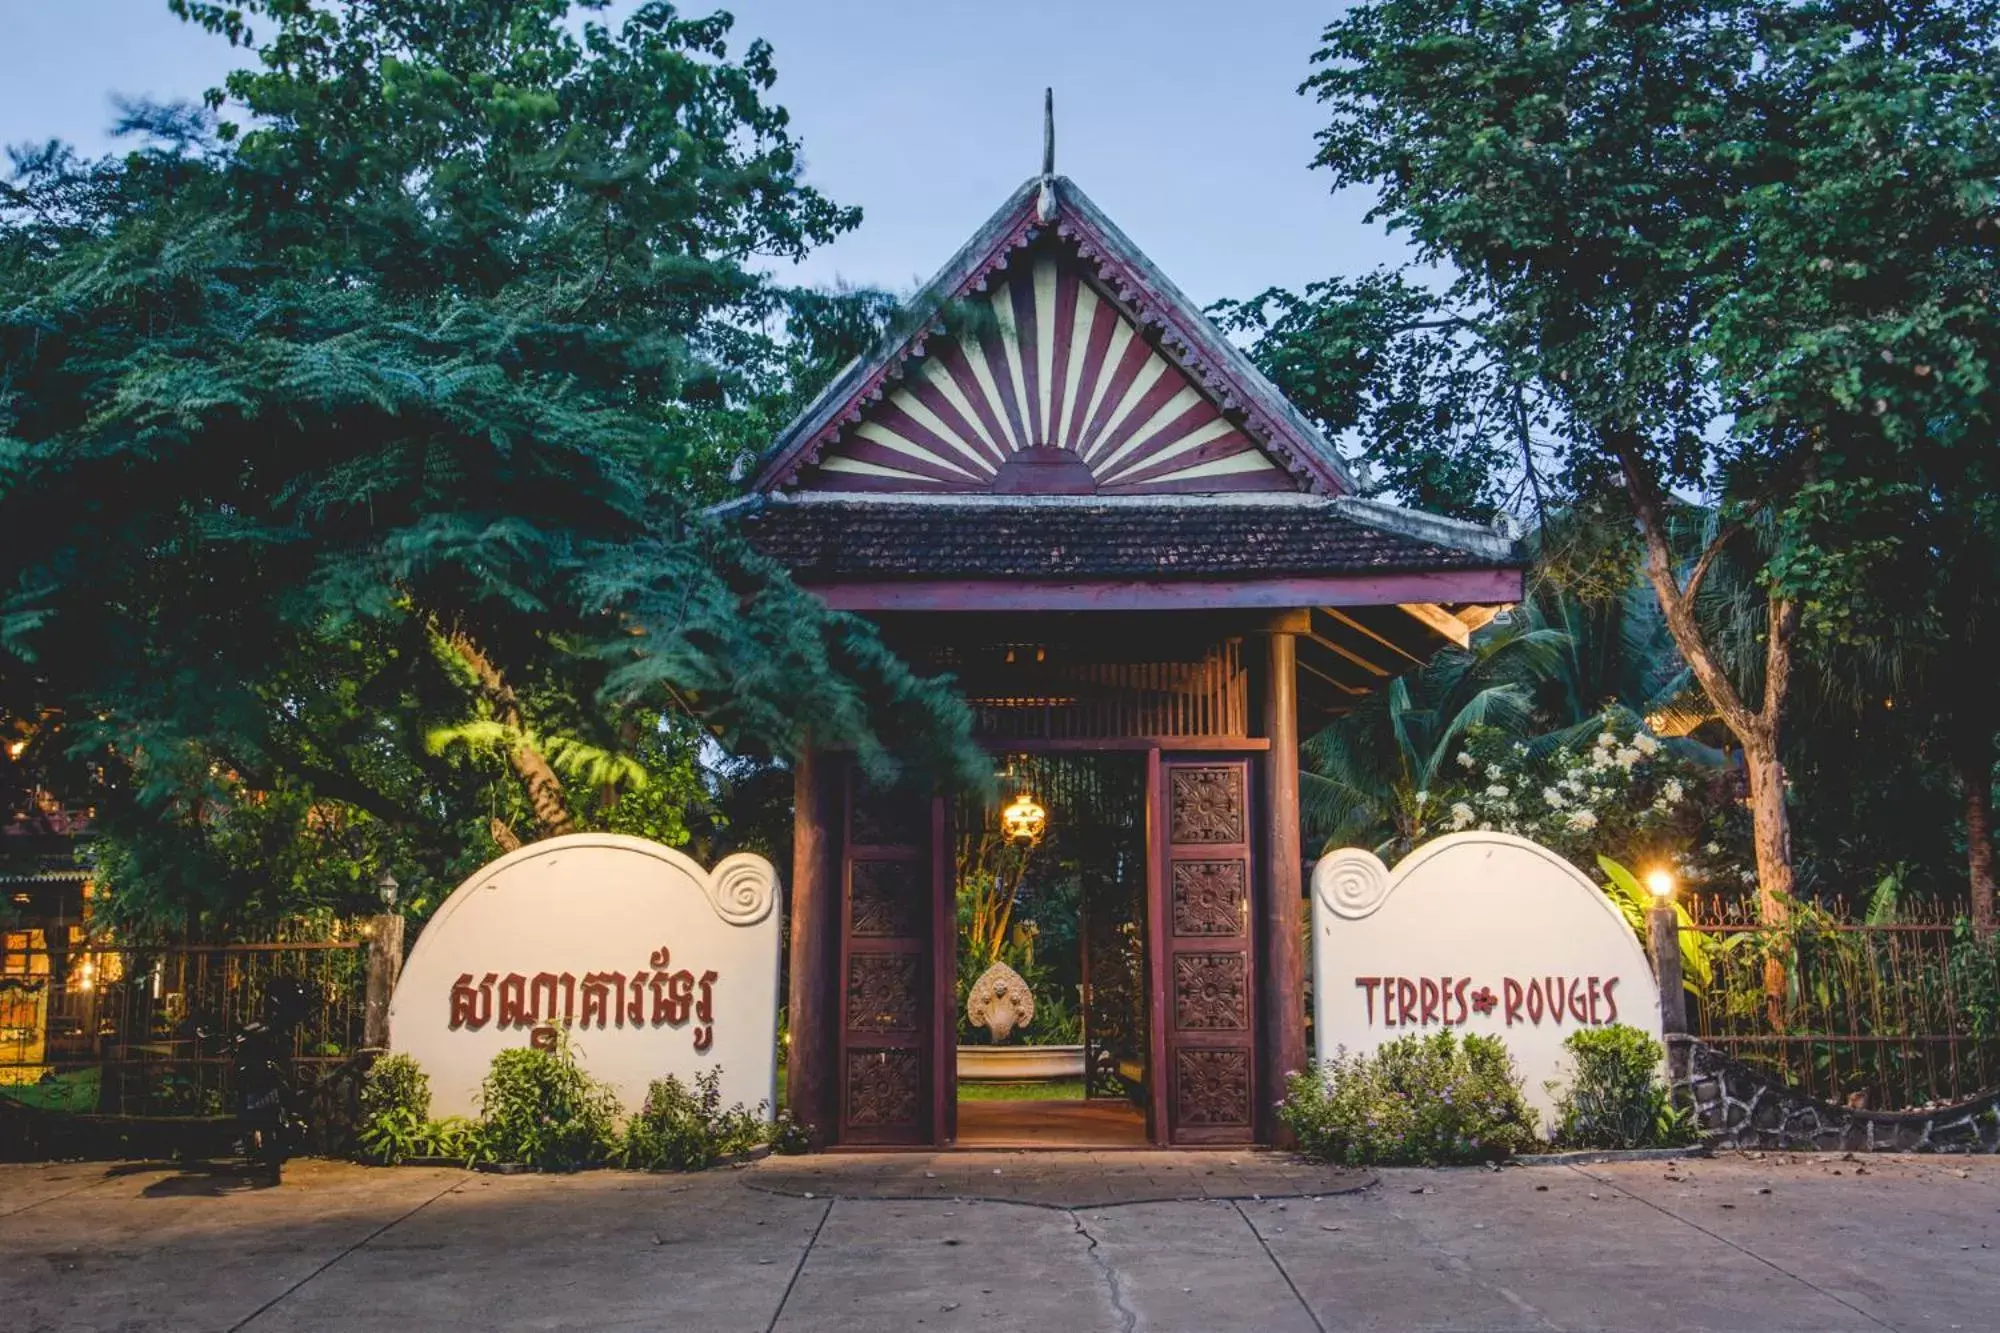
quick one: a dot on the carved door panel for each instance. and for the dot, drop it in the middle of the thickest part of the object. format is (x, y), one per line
(1206, 967)
(888, 1004)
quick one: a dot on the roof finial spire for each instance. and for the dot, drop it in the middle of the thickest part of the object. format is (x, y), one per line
(1045, 206)
(1048, 131)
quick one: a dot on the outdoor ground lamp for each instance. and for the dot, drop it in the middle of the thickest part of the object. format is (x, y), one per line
(386, 885)
(1663, 932)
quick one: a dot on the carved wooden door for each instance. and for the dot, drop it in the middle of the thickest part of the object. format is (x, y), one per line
(889, 1089)
(1205, 963)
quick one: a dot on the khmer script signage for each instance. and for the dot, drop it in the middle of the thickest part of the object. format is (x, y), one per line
(652, 965)
(1475, 932)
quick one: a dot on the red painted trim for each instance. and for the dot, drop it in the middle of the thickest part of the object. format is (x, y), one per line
(1063, 336)
(1181, 425)
(1123, 373)
(1270, 479)
(1103, 323)
(995, 351)
(1157, 910)
(958, 364)
(1468, 585)
(944, 977)
(1028, 336)
(1088, 744)
(881, 455)
(1171, 382)
(941, 407)
(895, 419)
(1153, 468)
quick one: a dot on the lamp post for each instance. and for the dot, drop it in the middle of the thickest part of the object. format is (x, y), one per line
(1663, 932)
(385, 963)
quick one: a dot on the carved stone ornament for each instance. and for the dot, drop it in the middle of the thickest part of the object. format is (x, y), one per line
(1351, 882)
(1000, 1002)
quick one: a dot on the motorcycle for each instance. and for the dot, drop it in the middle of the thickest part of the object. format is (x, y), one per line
(261, 1053)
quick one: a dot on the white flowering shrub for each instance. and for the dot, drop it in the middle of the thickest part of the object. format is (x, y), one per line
(1621, 793)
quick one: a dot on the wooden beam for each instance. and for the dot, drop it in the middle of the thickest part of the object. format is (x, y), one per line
(1379, 672)
(1323, 671)
(814, 1009)
(1439, 621)
(1342, 618)
(1468, 585)
(1476, 617)
(1280, 969)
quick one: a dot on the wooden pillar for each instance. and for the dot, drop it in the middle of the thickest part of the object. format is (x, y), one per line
(812, 1005)
(1281, 939)
(385, 965)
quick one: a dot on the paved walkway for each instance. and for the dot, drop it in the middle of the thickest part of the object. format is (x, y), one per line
(1052, 1179)
(1737, 1243)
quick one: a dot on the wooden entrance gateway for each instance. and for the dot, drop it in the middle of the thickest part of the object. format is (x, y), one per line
(1117, 538)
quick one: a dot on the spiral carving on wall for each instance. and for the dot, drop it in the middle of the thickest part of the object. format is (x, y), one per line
(1351, 882)
(743, 888)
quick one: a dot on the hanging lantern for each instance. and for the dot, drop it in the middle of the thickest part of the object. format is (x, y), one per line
(1024, 819)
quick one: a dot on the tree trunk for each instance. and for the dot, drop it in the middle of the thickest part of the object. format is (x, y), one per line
(1756, 729)
(543, 787)
(1972, 766)
(1771, 831)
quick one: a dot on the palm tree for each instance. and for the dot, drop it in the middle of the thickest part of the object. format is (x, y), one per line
(1368, 777)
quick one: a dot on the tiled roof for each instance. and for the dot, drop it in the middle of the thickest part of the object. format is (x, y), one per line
(828, 539)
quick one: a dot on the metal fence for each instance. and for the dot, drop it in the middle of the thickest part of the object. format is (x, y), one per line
(1888, 1015)
(144, 1030)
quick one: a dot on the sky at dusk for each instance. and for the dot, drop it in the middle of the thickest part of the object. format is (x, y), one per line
(1180, 119)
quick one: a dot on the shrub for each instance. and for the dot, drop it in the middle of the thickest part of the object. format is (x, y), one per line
(1431, 1100)
(395, 1111)
(1617, 1099)
(790, 1136)
(683, 1129)
(539, 1108)
(454, 1138)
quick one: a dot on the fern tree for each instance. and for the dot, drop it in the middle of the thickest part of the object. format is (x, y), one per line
(383, 394)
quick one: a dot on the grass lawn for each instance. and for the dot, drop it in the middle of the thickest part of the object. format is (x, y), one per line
(1054, 1090)
(75, 1091)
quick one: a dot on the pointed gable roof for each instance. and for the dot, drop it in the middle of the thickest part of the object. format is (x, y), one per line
(1098, 376)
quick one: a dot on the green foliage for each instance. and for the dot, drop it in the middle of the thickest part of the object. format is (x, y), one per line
(688, 1129)
(1616, 1098)
(1435, 1100)
(439, 324)
(395, 1124)
(395, 1108)
(1634, 901)
(1974, 971)
(539, 1108)
(1373, 775)
(1384, 363)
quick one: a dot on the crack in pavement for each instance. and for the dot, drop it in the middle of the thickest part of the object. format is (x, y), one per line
(1125, 1312)
(259, 1312)
(800, 1267)
(1745, 1250)
(1272, 1256)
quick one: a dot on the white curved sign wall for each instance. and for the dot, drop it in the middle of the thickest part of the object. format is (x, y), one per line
(653, 965)
(1475, 932)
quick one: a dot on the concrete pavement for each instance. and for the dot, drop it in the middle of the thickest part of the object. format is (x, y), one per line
(1770, 1244)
